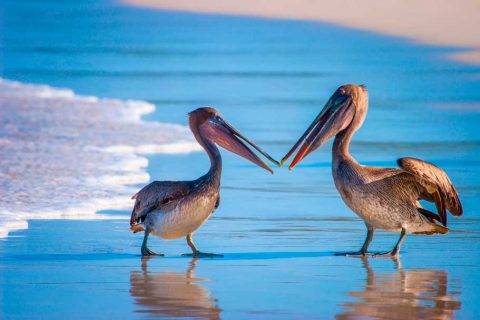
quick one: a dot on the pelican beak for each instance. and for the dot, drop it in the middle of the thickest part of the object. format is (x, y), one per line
(334, 117)
(230, 138)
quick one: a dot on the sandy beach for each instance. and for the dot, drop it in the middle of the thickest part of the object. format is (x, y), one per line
(125, 77)
(444, 23)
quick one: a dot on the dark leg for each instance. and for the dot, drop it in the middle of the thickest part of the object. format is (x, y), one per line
(363, 251)
(195, 252)
(145, 250)
(396, 250)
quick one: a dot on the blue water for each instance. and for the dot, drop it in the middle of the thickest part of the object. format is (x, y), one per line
(269, 78)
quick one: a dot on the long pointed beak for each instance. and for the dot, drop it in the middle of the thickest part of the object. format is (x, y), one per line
(333, 118)
(229, 138)
(304, 135)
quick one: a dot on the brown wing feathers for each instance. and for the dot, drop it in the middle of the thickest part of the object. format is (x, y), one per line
(437, 184)
(156, 195)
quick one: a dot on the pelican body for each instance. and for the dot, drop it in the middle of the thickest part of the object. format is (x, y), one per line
(384, 198)
(174, 209)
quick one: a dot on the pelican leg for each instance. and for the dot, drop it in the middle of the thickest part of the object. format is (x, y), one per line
(363, 251)
(145, 251)
(396, 250)
(196, 253)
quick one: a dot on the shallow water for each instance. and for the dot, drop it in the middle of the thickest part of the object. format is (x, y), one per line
(269, 79)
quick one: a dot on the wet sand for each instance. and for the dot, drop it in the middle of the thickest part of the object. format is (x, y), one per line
(287, 273)
(444, 23)
(278, 233)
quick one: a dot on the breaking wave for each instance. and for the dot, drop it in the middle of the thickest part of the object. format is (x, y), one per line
(64, 155)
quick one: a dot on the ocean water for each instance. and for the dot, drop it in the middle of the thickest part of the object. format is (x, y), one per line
(268, 78)
(68, 156)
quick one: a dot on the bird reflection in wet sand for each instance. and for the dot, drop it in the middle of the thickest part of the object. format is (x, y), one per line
(412, 294)
(172, 294)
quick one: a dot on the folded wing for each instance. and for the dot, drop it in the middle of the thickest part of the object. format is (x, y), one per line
(156, 195)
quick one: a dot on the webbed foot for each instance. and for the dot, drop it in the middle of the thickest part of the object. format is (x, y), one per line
(199, 254)
(354, 254)
(389, 254)
(147, 252)
(196, 253)
(394, 253)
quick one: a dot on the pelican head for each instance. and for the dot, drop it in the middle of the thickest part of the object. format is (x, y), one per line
(348, 105)
(210, 125)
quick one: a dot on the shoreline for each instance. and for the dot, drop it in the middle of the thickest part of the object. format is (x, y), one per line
(90, 159)
(452, 24)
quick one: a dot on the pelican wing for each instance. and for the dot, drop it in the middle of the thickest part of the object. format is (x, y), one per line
(437, 185)
(156, 195)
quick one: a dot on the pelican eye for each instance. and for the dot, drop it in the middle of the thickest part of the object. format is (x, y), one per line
(216, 119)
(341, 92)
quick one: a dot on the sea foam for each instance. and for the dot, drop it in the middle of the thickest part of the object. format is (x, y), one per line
(64, 155)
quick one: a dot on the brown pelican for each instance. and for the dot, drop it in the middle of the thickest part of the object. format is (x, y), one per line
(174, 209)
(385, 198)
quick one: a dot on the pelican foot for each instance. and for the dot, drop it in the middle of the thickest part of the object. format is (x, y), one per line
(354, 254)
(389, 254)
(147, 252)
(199, 254)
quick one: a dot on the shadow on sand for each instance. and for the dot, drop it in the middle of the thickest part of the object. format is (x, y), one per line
(122, 256)
(274, 255)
